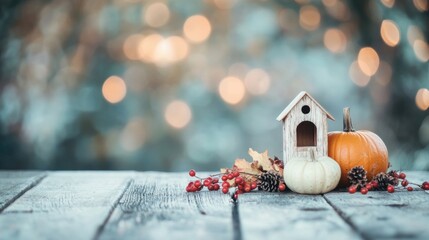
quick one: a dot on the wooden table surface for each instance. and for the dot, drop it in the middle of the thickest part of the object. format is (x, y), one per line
(154, 205)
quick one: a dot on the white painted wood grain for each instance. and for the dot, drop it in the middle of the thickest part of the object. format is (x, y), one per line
(156, 206)
(65, 205)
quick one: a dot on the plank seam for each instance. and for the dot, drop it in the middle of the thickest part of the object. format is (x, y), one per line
(236, 222)
(346, 219)
(112, 209)
(27, 188)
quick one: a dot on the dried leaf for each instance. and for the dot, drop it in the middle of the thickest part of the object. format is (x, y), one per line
(247, 170)
(262, 160)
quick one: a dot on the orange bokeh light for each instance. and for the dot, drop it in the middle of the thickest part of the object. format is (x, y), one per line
(178, 114)
(368, 61)
(335, 40)
(156, 14)
(131, 45)
(257, 81)
(422, 99)
(114, 89)
(309, 18)
(231, 90)
(389, 32)
(197, 28)
(357, 76)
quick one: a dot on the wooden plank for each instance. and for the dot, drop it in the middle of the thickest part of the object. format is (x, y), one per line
(290, 216)
(156, 206)
(65, 205)
(380, 215)
(15, 183)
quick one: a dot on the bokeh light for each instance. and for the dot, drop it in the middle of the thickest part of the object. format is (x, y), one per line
(309, 17)
(131, 45)
(390, 33)
(422, 99)
(368, 61)
(114, 89)
(197, 28)
(421, 49)
(357, 76)
(421, 5)
(178, 114)
(147, 47)
(224, 4)
(133, 136)
(231, 90)
(257, 81)
(335, 40)
(170, 50)
(388, 3)
(156, 14)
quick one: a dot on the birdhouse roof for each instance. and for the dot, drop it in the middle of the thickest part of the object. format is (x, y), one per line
(289, 107)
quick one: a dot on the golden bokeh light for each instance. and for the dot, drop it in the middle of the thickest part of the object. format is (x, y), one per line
(114, 89)
(231, 90)
(156, 14)
(421, 5)
(413, 34)
(133, 136)
(329, 3)
(131, 45)
(421, 49)
(257, 81)
(170, 50)
(309, 18)
(388, 3)
(335, 40)
(147, 47)
(384, 73)
(357, 76)
(368, 61)
(389, 32)
(197, 28)
(178, 114)
(422, 99)
(224, 4)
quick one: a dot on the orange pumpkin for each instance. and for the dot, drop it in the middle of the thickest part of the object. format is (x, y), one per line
(352, 148)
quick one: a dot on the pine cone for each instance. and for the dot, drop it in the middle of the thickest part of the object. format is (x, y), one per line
(393, 174)
(269, 182)
(385, 180)
(357, 177)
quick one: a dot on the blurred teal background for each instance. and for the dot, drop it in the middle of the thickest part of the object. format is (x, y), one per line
(179, 84)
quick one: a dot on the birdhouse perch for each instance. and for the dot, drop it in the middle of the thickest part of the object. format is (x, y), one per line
(305, 127)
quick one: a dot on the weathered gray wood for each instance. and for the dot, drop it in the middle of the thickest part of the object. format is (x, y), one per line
(381, 215)
(65, 205)
(156, 206)
(14, 183)
(290, 216)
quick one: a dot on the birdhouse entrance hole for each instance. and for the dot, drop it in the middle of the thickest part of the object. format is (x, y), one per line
(306, 134)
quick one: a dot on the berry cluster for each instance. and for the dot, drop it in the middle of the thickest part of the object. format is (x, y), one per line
(230, 179)
(387, 182)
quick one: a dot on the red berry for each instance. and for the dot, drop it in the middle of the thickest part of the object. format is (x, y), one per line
(402, 175)
(404, 182)
(368, 186)
(230, 176)
(247, 188)
(197, 183)
(364, 190)
(390, 189)
(192, 173)
(254, 185)
(235, 174)
(425, 183)
(206, 183)
(238, 180)
(224, 178)
(282, 187)
(240, 187)
(374, 184)
(215, 180)
(188, 188)
(216, 187)
(410, 189)
(352, 189)
(235, 196)
(239, 192)
(211, 187)
(425, 186)
(225, 190)
(225, 184)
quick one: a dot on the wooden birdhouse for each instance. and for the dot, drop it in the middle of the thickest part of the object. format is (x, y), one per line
(305, 127)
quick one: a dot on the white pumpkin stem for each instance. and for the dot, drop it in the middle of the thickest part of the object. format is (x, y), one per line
(312, 155)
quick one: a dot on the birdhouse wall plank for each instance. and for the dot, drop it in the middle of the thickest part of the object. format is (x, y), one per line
(297, 115)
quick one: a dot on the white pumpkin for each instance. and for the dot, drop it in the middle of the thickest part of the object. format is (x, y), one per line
(311, 175)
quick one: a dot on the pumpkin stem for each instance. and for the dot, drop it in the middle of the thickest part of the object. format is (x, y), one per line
(347, 121)
(312, 155)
